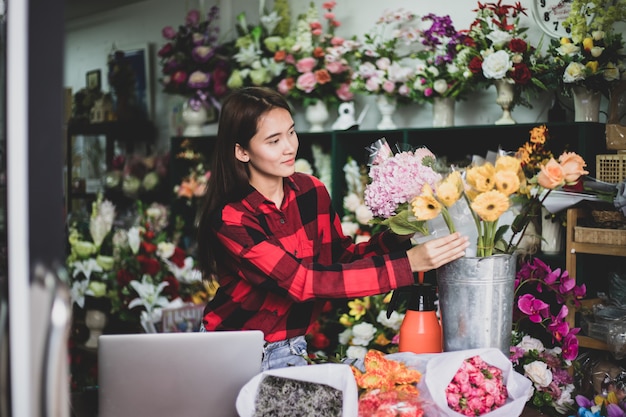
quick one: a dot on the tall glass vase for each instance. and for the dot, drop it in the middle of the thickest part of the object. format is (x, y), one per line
(317, 115)
(387, 107)
(586, 104)
(505, 96)
(443, 112)
(476, 302)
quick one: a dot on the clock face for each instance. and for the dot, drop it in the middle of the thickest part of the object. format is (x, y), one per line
(550, 15)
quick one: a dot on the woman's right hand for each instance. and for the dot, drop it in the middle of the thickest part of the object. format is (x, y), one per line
(434, 253)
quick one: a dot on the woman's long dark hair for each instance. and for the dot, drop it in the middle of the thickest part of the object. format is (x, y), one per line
(229, 180)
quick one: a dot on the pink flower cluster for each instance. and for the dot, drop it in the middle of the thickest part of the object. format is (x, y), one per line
(397, 179)
(477, 388)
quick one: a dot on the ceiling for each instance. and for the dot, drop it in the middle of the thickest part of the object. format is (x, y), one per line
(75, 9)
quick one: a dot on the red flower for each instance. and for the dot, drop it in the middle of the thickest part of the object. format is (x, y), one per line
(148, 247)
(475, 65)
(521, 73)
(149, 265)
(166, 50)
(280, 56)
(322, 76)
(173, 287)
(124, 278)
(178, 258)
(518, 45)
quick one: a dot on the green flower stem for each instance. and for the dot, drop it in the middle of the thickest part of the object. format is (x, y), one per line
(448, 219)
(477, 223)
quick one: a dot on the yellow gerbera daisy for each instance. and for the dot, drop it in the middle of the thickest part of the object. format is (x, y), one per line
(490, 205)
(425, 206)
(481, 177)
(508, 163)
(346, 320)
(450, 189)
(507, 182)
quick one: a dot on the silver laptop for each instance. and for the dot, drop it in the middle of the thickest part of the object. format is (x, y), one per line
(175, 374)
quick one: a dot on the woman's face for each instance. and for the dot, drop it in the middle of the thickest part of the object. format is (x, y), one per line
(271, 154)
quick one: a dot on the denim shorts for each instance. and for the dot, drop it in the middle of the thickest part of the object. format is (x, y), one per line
(284, 353)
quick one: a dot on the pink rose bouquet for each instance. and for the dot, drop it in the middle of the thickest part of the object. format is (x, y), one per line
(316, 64)
(477, 388)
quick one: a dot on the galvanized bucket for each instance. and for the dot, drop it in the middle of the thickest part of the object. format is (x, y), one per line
(476, 302)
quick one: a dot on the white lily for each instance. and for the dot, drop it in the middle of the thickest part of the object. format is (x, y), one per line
(187, 274)
(77, 292)
(86, 267)
(149, 294)
(134, 239)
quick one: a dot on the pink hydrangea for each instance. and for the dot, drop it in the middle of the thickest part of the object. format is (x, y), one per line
(397, 180)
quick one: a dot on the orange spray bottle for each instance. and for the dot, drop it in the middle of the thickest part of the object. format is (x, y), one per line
(420, 331)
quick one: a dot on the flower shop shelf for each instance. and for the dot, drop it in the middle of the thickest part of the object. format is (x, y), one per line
(587, 240)
(84, 155)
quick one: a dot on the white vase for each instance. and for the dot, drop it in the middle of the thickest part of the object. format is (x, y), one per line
(504, 99)
(443, 112)
(95, 320)
(194, 119)
(317, 115)
(387, 107)
(551, 234)
(586, 104)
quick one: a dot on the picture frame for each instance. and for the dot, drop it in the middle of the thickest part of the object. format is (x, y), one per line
(93, 80)
(139, 57)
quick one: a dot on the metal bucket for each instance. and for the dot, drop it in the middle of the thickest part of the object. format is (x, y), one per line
(476, 302)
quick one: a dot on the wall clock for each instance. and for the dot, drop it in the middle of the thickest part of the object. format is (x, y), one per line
(550, 15)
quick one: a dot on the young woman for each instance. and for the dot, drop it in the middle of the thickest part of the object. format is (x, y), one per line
(274, 242)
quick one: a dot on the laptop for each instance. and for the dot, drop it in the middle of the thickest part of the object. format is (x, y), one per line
(176, 374)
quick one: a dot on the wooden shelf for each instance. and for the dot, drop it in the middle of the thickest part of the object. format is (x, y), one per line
(572, 249)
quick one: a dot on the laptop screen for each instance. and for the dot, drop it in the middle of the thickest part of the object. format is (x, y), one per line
(176, 374)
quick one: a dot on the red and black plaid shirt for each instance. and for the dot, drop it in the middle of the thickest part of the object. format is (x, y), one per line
(280, 265)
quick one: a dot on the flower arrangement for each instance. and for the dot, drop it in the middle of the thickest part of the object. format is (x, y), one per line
(542, 296)
(256, 47)
(138, 177)
(444, 69)
(193, 63)
(501, 51)
(387, 387)
(610, 406)
(316, 64)
(382, 65)
(357, 216)
(396, 178)
(477, 388)
(409, 193)
(137, 270)
(193, 185)
(593, 56)
(548, 371)
(367, 326)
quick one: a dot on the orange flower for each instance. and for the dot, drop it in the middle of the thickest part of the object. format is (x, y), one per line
(322, 76)
(425, 206)
(385, 374)
(481, 177)
(538, 134)
(507, 182)
(318, 52)
(551, 175)
(279, 56)
(573, 166)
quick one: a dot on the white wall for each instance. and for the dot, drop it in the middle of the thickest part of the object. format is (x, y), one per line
(89, 40)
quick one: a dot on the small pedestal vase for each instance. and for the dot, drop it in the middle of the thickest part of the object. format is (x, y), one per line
(95, 320)
(387, 107)
(551, 234)
(443, 112)
(317, 115)
(194, 120)
(505, 97)
(586, 104)
(476, 302)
